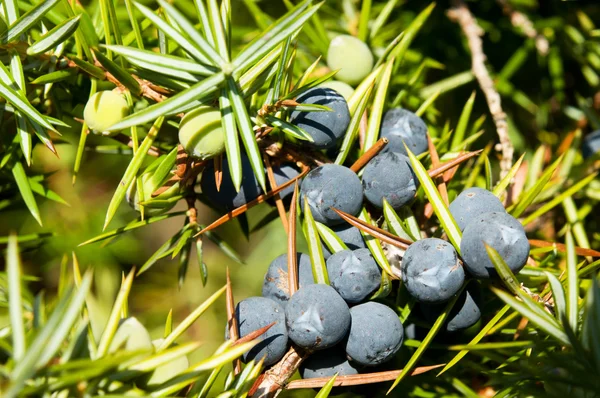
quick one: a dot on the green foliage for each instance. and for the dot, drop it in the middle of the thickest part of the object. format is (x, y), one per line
(248, 61)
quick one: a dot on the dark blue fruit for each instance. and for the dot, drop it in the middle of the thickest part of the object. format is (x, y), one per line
(330, 186)
(354, 274)
(275, 284)
(431, 271)
(325, 128)
(350, 235)
(227, 197)
(326, 363)
(254, 313)
(376, 334)
(472, 203)
(389, 175)
(401, 127)
(591, 144)
(317, 317)
(464, 314)
(502, 232)
(283, 173)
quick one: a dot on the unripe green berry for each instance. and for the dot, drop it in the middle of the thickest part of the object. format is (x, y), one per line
(201, 134)
(131, 335)
(166, 372)
(149, 187)
(351, 56)
(344, 89)
(104, 109)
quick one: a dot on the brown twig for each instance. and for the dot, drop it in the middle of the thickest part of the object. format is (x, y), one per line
(370, 154)
(460, 13)
(437, 171)
(580, 251)
(292, 252)
(218, 166)
(232, 320)
(521, 21)
(435, 162)
(360, 379)
(374, 231)
(277, 198)
(242, 209)
(273, 380)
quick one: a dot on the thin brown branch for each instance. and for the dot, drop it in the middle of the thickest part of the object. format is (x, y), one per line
(357, 380)
(253, 335)
(435, 162)
(218, 166)
(277, 198)
(292, 252)
(232, 320)
(370, 154)
(437, 171)
(242, 209)
(270, 383)
(374, 231)
(580, 251)
(460, 13)
(521, 21)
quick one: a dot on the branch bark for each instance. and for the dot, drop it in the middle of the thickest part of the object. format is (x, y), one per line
(521, 21)
(460, 13)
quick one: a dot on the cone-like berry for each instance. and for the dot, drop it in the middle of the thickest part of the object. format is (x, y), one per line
(376, 334)
(201, 134)
(131, 335)
(327, 363)
(254, 313)
(349, 234)
(431, 271)
(351, 56)
(227, 198)
(401, 127)
(389, 176)
(275, 284)
(328, 127)
(464, 314)
(473, 202)
(104, 109)
(330, 186)
(354, 274)
(502, 232)
(317, 317)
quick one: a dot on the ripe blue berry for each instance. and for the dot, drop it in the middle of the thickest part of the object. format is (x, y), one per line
(227, 197)
(472, 203)
(254, 313)
(317, 317)
(327, 127)
(354, 274)
(330, 186)
(389, 175)
(401, 127)
(275, 284)
(326, 363)
(502, 232)
(350, 235)
(591, 144)
(283, 173)
(464, 314)
(431, 271)
(376, 334)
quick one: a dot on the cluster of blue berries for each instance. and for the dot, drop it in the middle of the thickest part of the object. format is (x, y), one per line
(336, 321)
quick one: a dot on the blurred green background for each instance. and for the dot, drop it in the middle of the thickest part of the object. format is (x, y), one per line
(541, 101)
